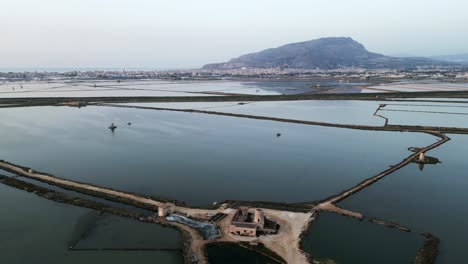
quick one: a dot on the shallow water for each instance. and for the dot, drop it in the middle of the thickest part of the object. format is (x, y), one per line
(115, 232)
(34, 229)
(437, 99)
(166, 87)
(330, 111)
(230, 254)
(156, 88)
(347, 240)
(340, 111)
(434, 114)
(425, 86)
(198, 158)
(444, 114)
(432, 200)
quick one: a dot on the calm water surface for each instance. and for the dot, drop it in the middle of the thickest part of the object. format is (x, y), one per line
(330, 111)
(432, 200)
(198, 158)
(34, 229)
(347, 240)
(231, 254)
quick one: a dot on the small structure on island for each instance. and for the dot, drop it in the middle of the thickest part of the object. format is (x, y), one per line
(165, 210)
(245, 223)
(422, 157)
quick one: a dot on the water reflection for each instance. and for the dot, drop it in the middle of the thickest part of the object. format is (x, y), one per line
(435, 203)
(346, 240)
(34, 228)
(197, 158)
(232, 254)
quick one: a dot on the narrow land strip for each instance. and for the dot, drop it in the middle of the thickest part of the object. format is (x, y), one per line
(406, 128)
(236, 98)
(329, 204)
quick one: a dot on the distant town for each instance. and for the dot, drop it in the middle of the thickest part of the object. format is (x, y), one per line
(440, 73)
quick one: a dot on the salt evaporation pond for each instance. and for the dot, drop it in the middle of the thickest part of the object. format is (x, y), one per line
(33, 228)
(329, 111)
(93, 88)
(232, 254)
(347, 240)
(432, 200)
(96, 231)
(198, 158)
(427, 114)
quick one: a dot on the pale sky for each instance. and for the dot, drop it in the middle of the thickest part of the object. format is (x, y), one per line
(190, 33)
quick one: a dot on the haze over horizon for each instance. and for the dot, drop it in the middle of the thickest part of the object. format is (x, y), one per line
(188, 34)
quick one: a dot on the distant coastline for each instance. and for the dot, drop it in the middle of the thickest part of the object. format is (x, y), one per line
(84, 69)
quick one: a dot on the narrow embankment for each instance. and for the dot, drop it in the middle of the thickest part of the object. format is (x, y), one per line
(234, 98)
(429, 251)
(406, 128)
(88, 189)
(188, 234)
(68, 199)
(372, 180)
(329, 204)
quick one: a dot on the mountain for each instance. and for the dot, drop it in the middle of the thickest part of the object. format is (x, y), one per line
(324, 53)
(457, 58)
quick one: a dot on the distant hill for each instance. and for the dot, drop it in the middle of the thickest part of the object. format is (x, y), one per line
(457, 58)
(324, 53)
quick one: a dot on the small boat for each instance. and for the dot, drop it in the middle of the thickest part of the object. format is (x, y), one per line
(112, 127)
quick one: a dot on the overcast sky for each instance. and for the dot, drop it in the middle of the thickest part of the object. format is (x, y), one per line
(190, 33)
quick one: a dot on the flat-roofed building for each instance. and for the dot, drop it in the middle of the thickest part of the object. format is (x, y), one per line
(247, 224)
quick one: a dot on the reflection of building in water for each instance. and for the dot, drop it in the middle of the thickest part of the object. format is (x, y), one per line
(422, 160)
(421, 166)
(245, 223)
